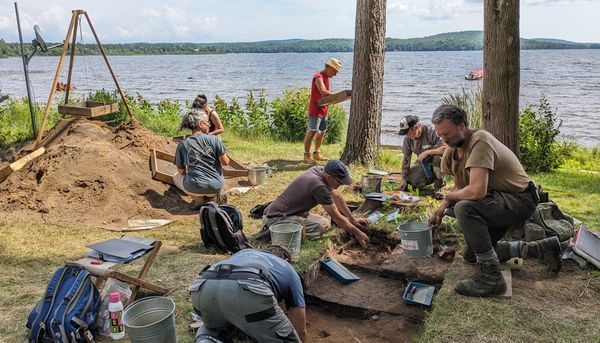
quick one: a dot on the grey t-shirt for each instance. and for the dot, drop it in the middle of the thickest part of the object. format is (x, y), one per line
(284, 280)
(200, 154)
(427, 141)
(304, 193)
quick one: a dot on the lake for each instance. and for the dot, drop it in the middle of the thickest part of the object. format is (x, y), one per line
(414, 82)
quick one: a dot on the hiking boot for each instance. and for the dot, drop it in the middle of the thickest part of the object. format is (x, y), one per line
(469, 257)
(548, 250)
(221, 198)
(486, 281)
(307, 158)
(318, 157)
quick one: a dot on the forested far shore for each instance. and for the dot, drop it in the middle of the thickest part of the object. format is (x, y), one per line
(453, 41)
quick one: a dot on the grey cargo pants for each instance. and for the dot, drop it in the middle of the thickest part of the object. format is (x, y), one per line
(485, 221)
(248, 304)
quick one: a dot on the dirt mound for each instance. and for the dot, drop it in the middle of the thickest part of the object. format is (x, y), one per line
(94, 175)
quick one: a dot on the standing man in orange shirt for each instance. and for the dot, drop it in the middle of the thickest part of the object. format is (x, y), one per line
(317, 115)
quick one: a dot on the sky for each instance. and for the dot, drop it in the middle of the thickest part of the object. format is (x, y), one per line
(206, 21)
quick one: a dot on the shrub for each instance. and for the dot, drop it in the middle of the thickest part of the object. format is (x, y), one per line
(163, 119)
(539, 128)
(284, 118)
(471, 102)
(15, 121)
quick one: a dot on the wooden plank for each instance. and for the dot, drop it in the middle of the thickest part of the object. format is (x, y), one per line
(507, 274)
(20, 163)
(229, 173)
(236, 165)
(335, 98)
(147, 265)
(165, 156)
(135, 281)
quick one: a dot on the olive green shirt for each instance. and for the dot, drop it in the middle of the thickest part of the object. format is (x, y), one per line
(483, 150)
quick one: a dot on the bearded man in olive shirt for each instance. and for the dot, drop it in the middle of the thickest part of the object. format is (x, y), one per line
(492, 192)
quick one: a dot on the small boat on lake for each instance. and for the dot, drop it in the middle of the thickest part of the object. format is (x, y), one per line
(475, 75)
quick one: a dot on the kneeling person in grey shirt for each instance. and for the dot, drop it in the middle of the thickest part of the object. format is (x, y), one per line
(244, 291)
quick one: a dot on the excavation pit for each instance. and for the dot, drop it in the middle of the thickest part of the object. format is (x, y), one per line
(371, 309)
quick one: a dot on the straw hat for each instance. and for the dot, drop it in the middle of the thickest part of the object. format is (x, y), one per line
(334, 63)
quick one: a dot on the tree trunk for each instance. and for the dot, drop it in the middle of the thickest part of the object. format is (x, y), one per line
(501, 45)
(364, 127)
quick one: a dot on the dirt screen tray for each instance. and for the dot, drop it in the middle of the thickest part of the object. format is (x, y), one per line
(338, 271)
(88, 108)
(418, 294)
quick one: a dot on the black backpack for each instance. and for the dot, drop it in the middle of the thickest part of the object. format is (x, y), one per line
(221, 226)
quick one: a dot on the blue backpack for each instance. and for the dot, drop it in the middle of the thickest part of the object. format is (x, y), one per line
(68, 310)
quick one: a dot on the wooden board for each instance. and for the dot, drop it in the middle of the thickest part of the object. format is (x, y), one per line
(156, 174)
(20, 163)
(88, 108)
(335, 98)
(234, 169)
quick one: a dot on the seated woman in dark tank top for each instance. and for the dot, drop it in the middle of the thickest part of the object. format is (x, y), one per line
(216, 126)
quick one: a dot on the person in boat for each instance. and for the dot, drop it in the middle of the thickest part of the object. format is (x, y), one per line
(216, 126)
(492, 193)
(244, 291)
(199, 159)
(423, 141)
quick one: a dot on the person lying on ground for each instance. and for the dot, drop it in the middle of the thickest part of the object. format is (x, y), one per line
(199, 159)
(317, 186)
(423, 141)
(215, 125)
(244, 291)
(317, 114)
(492, 193)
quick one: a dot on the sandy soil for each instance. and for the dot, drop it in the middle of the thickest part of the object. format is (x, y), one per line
(96, 176)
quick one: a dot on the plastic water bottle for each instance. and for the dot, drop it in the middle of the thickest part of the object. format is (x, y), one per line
(115, 313)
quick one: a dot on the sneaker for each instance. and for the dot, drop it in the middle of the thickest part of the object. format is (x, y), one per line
(318, 157)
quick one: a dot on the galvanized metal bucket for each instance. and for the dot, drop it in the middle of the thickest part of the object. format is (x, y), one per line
(151, 319)
(416, 239)
(371, 183)
(257, 175)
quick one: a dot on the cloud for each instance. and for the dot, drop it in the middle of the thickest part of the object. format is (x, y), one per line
(436, 10)
(551, 2)
(4, 22)
(54, 14)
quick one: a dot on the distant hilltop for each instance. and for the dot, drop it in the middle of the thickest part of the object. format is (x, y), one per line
(452, 41)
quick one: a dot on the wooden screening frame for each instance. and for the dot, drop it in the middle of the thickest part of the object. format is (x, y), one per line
(335, 98)
(234, 169)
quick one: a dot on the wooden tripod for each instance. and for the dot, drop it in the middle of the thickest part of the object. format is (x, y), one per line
(73, 30)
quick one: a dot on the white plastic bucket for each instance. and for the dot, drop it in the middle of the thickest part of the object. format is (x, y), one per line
(151, 320)
(289, 235)
(416, 239)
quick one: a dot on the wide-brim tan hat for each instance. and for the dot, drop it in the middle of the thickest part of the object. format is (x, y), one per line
(334, 63)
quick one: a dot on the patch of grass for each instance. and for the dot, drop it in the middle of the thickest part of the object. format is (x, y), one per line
(457, 318)
(15, 121)
(575, 192)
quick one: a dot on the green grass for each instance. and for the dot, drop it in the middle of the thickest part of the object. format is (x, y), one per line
(31, 251)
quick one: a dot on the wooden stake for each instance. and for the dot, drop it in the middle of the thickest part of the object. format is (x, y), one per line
(56, 76)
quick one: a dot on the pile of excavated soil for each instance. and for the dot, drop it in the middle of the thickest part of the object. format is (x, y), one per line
(94, 175)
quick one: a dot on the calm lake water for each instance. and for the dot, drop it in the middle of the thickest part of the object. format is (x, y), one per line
(414, 82)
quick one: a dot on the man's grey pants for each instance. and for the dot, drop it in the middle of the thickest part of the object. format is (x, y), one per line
(485, 221)
(248, 304)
